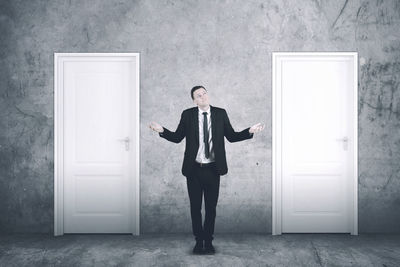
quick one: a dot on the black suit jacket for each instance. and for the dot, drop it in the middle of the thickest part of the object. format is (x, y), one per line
(189, 127)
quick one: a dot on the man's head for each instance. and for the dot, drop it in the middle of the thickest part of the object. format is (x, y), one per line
(200, 96)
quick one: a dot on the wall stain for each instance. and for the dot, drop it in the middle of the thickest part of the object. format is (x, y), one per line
(340, 13)
(389, 180)
(380, 82)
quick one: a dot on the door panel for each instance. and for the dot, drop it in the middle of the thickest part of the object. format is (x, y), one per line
(317, 159)
(98, 183)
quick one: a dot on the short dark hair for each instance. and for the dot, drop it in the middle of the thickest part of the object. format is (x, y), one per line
(195, 88)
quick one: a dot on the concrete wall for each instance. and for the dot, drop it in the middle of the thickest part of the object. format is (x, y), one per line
(225, 46)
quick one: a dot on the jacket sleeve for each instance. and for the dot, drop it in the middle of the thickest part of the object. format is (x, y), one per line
(230, 133)
(176, 136)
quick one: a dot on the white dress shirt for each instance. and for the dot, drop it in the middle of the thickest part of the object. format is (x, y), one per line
(201, 156)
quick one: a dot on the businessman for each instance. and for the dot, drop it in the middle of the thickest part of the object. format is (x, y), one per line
(204, 127)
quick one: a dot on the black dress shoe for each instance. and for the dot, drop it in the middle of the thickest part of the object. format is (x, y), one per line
(198, 248)
(209, 248)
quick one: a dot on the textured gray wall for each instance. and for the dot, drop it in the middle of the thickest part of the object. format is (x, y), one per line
(224, 45)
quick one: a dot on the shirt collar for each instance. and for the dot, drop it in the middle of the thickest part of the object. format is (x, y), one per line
(201, 111)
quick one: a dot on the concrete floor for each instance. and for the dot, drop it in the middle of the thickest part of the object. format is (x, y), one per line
(175, 250)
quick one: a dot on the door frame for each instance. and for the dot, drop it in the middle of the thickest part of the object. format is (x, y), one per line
(277, 139)
(59, 139)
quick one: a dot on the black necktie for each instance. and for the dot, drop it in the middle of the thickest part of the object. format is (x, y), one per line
(205, 131)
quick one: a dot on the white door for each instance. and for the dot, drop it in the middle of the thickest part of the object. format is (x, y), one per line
(100, 152)
(318, 141)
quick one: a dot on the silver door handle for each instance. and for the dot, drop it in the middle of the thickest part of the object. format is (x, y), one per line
(345, 141)
(126, 140)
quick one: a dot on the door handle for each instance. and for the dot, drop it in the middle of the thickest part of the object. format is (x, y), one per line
(126, 140)
(345, 141)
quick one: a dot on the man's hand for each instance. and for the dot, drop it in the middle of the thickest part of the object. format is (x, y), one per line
(156, 127)
(256, 128)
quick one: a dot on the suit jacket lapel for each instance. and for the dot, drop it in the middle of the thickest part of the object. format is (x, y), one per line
(196, 124)
(213, 124)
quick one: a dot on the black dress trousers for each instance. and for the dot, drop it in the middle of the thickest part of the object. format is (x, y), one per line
(203, 181)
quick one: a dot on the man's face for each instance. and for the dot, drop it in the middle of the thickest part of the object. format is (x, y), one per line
(200, 97)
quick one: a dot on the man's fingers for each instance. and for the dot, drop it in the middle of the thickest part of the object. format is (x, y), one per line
(152, 126)
(258, 127)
